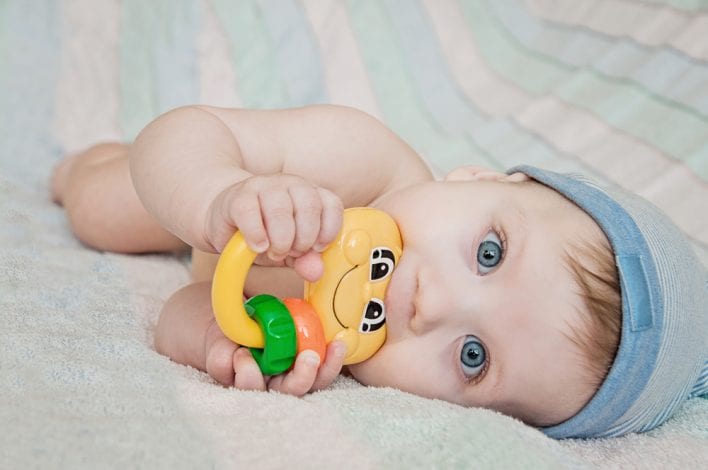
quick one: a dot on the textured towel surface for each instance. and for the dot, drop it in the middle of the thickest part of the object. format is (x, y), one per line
(616, 89)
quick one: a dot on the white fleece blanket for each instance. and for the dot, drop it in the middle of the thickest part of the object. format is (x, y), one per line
(618, 89)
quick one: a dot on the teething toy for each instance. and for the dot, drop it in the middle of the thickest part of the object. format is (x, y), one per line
(346, 303)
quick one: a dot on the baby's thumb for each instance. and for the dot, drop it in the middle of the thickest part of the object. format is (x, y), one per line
(309, 266)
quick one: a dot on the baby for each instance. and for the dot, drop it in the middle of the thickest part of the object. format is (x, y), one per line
(574, 308)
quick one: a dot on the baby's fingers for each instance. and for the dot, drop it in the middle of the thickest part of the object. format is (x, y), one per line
(277, 210)
(330, 220)
(307, 206)
(300, 379)
(331, 367)
(244, 212)
(247, 375)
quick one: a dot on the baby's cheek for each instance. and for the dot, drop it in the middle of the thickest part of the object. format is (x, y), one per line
(389, 367)
(369, 372)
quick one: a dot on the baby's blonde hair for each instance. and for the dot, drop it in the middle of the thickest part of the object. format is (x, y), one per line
(593, 267)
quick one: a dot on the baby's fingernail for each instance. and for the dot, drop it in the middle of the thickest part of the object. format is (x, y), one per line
(320, 247)
(260, 247)
(310, 358)
(242, 352)
(340, 348)
(275, 257)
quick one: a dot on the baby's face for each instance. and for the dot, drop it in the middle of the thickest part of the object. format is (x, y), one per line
(480, 306)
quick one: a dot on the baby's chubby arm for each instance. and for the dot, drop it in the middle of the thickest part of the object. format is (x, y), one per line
(280, 177)
(203, 172)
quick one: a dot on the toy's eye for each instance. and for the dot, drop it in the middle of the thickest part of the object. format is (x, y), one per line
(374, 316)
(382, 261)
(489, 253)
(473, 356)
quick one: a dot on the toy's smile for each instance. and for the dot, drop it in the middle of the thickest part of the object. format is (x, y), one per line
(349, 296)
(334, 296)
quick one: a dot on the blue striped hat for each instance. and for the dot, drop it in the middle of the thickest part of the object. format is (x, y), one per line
(662, 357)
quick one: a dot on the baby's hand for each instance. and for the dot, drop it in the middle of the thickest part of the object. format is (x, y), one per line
(307, 375)
(283, 216)
(230, 364)
(233, 365)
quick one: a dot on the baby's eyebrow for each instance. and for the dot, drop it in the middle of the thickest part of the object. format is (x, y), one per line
(521, 218)
(514, 226)
(495, 373)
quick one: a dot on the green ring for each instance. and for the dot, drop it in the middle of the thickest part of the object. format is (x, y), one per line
(279, 334)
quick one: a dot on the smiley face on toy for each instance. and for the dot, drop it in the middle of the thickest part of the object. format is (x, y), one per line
(357, 269)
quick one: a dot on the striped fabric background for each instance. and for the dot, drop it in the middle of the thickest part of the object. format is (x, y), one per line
(615, 89)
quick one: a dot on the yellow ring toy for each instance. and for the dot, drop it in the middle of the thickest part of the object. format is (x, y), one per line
(348, 298)
(227, 294)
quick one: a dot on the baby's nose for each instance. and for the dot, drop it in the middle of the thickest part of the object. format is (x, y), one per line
(436, 301)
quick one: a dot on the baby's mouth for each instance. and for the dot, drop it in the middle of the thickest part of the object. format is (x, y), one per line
(399, 299)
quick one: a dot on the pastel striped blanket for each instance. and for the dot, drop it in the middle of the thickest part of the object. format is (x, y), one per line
(617, 89)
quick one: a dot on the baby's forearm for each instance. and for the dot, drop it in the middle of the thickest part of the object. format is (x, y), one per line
(184, 159)
(179, 163)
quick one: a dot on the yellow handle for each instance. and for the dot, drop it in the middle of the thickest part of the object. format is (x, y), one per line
(227, 294)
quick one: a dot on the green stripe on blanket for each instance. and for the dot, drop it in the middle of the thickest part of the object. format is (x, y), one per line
(257, 79)
(394, 88)
(617, 103)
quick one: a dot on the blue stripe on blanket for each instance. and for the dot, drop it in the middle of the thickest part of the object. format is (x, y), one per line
(30, 45)
(450, 108)
(662, 72)
(391, 80)
(429, 70)
(689, 5)
(257, 77)
(429, 78)
(652, 71)
(158, 60)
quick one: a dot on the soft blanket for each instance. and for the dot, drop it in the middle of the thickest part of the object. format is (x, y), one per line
(614, 88)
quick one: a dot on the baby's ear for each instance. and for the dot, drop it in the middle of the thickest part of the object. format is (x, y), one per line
(479, 173)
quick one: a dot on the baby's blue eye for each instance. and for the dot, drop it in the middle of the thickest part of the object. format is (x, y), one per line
(489, 253)
(472, 356)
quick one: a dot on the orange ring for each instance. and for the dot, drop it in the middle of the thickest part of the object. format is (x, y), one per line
(310, 334)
